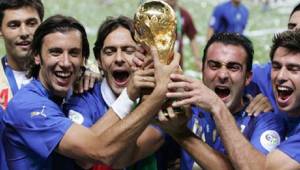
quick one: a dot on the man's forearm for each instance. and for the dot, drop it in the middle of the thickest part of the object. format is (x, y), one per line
(241, 153)
(202, 153)
(125, 132)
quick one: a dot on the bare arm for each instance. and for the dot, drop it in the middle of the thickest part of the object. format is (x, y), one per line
(147, 143)
(203, 154)
(104, 148)
(107, 146)
(238, 147)
(278, 160)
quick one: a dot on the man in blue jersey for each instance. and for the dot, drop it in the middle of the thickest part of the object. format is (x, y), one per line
(114, 50)
(285, 57)
(226, 72)
(18, 21)
(38, 135)
(231, 16)
(262, 72)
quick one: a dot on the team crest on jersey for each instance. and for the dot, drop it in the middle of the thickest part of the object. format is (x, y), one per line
(39, 113)
(76, 117)
(270, 139)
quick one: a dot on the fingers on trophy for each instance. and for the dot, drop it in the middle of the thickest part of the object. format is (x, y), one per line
(155, 25)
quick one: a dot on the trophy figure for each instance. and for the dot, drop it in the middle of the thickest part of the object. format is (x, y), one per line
(155, 24)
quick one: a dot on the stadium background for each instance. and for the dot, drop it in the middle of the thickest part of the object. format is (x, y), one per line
(260, 29)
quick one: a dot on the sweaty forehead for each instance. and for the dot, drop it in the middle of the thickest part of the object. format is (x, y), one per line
(226, 53)
(119, 37)
(21, 14)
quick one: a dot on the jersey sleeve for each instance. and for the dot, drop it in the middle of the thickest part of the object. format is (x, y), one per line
(261, 74)
(268, 132)
(38, 126)
(291, 147)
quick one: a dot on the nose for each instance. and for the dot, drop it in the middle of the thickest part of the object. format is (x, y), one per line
(24, 31)
(281, 75)
(65, 60)
(119, 59)
(223, 75)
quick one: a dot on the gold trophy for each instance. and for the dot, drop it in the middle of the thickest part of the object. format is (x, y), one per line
(155, 24)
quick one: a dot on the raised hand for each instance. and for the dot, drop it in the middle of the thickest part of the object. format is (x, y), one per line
(192, 92)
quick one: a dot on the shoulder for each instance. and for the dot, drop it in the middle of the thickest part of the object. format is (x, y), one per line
(86, 97)
(244, 7)
(29, 106)
(271, 118)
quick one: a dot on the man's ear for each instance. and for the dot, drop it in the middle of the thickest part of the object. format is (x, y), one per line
(248, 77)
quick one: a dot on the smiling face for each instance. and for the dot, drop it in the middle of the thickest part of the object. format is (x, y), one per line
(116, 56)
(17, 29)
(286, 80)
(60, 61)
(225, 73)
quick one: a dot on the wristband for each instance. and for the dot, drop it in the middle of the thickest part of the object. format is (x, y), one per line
(122, 106)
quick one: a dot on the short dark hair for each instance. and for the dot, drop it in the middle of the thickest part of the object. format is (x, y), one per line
(56, 23)
(16, 4)
(108, 26)
(287, 39)
(232, 39)
(296, 8)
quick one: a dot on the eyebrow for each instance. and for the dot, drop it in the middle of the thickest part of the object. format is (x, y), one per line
(122, 47)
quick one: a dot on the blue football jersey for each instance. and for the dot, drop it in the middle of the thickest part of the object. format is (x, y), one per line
(264, 132)
(34, 125)
(227, 17)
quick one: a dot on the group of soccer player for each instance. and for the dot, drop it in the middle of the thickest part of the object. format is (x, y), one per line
(55, 114)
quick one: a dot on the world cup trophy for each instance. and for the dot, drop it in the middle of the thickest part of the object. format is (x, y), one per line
(155, 24)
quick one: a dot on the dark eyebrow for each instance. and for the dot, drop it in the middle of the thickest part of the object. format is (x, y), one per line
(231, 63)
(31, 19)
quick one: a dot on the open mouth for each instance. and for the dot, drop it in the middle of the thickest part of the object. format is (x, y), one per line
(120, 77)
(222, 92)
(63, 77)
(284, 92)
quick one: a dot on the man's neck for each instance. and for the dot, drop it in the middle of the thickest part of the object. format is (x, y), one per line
(240, 107)
(17, 65)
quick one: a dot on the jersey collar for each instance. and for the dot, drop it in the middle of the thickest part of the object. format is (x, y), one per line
(108, 95)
